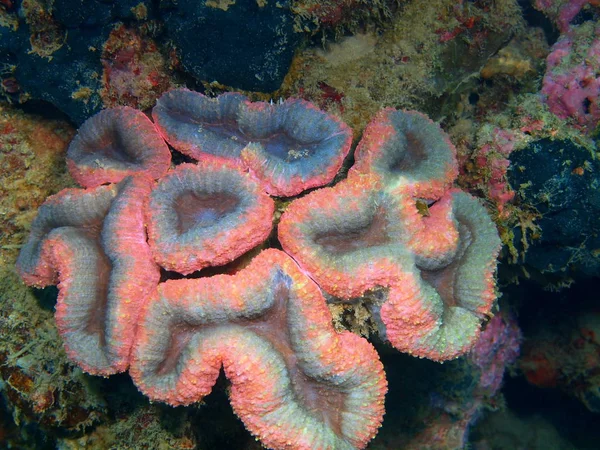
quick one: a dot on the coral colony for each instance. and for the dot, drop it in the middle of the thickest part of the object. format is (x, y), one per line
(394, 231)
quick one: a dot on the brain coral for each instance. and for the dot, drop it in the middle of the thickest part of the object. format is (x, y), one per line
(394, 226)
(206, 214)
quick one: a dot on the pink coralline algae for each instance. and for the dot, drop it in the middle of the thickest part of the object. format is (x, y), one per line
(394, 227)
(498, 347)
(571, 85)
(562, 12)
(488, 168)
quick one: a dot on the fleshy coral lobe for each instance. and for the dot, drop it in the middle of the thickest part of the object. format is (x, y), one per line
(409, 152)
(206, 214)
(269, 327)
(83, 239)
(290, 146)
(115, 143)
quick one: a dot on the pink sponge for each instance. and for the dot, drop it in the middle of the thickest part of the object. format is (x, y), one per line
(571, 85)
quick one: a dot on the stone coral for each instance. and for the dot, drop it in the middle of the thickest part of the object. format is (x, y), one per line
(206, 214)
(296, 383)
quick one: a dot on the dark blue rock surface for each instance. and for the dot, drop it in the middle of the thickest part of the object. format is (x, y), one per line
(241, 44)
(246, 46)
(561, 181)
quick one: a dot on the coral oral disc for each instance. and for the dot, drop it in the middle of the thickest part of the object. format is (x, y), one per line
(293, 146)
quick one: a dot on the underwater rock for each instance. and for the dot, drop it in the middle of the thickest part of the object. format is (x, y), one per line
(245, 44)
(55, 52)
(559, 179)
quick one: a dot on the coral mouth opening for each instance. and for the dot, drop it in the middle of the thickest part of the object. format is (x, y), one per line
(356, 236)
(114, 148)
(286, 148)
(410, 158)
(203, 210)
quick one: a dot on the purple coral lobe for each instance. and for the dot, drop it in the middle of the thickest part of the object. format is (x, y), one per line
(205, 215)
(409, 152)
(459, 294)
(69, 208)
(115, 143)
(289, 146)
(197, 125)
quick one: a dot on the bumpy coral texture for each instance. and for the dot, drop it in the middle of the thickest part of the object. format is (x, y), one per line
(366, 233)
(394, 226)
(269, 328)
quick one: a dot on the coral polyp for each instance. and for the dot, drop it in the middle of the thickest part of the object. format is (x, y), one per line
(290, 146)
(115, 143)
